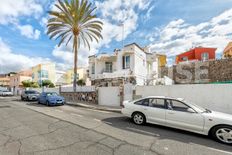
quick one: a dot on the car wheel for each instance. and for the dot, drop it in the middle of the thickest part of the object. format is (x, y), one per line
(38, 102)
(22, 98)
(138, 118)
(223, 134)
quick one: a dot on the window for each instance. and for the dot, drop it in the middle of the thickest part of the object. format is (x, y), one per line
(43, 74)
(93, 69)
(144, 102)
(184, 58)
(205, 56)
(177, 106)
(126, 62)
(109, 67)
(157, 103)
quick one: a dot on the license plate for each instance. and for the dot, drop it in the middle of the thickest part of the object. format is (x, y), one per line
(59, 102)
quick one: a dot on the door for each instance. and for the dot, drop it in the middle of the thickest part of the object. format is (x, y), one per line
(156, 111)
(42, 98)
(180, 115)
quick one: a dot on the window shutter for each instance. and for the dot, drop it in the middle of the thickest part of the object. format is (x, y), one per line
(123, 62)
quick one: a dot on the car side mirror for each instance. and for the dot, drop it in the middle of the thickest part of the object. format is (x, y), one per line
(190, 110)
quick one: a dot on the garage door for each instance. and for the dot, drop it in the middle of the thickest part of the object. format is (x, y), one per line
(109, 96)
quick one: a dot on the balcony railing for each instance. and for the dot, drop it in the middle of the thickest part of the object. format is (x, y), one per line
(114, 74)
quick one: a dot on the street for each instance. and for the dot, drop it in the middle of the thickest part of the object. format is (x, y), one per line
(27, 128)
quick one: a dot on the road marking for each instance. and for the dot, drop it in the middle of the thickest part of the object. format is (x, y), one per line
(137, 130)
(99, 111)
(98, 120)
(107, 122)
(76, 115)
(58, 110)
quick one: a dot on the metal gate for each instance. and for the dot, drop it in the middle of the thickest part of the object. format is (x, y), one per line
(109, 96)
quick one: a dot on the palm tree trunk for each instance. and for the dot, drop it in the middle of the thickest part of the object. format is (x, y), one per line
(75, 64)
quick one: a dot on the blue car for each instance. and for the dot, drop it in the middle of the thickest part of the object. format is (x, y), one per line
(51, 98)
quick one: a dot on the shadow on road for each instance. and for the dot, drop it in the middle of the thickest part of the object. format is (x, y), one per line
(166, 133)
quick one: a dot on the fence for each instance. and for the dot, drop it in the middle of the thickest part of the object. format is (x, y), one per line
(217, 97)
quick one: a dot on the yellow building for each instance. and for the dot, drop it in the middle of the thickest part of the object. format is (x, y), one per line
(162, 60)
(81, 74)
(228, 51)
(44, 72)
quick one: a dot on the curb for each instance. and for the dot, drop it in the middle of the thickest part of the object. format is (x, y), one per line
(92, 107)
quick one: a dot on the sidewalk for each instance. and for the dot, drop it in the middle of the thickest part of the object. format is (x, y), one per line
(95, 106)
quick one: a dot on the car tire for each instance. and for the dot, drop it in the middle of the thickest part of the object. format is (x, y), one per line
(38, 102)
(47, 103)
(221, 133)
(22, 98)
(139, 118)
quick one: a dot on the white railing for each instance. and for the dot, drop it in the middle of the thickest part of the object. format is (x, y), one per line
(116, 74)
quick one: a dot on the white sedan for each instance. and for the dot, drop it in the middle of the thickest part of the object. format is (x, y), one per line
(181, 114)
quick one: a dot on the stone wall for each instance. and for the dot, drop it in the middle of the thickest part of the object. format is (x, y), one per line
(88, 97)
(199, 72)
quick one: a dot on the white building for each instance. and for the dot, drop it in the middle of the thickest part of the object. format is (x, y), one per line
(133, 64)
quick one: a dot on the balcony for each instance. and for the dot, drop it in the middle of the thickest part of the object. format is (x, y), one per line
(107, 74)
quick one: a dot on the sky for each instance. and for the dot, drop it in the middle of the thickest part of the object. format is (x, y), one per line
(165, 26)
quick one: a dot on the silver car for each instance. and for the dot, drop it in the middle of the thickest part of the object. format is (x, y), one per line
(30, 95)
(181, 114)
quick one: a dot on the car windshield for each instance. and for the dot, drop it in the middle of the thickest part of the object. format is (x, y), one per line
(52, 94)
(195, 106)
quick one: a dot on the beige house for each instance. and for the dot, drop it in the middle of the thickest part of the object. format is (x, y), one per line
(227, 53)
(17, 79)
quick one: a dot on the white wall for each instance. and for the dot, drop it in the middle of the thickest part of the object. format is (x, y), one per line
(109, 96)
(140, 68)
(216, 97)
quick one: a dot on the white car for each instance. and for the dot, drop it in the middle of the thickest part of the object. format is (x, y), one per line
(181, 114)
(6, 93)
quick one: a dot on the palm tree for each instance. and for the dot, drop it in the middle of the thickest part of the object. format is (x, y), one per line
(74, 21)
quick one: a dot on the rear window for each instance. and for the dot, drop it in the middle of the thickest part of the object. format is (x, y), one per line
(30, 92)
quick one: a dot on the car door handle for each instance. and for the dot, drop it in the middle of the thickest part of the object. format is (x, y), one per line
(144, 108)
(171, 113)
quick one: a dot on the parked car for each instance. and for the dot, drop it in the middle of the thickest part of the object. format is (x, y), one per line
(180, 114)
(30, 95)
(51, 98)
(6, 93)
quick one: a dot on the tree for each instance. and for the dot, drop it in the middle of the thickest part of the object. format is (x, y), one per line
(26, 83)
(34, 85)
(74, 21)
(81, 82)
(47, 83)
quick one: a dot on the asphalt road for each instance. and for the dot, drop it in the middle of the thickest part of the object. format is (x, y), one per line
(27, 128)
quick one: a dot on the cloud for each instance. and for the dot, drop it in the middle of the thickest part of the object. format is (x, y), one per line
(28, 31)
(10, 11)
(179, 36)
(112, 14)
(10, 61)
